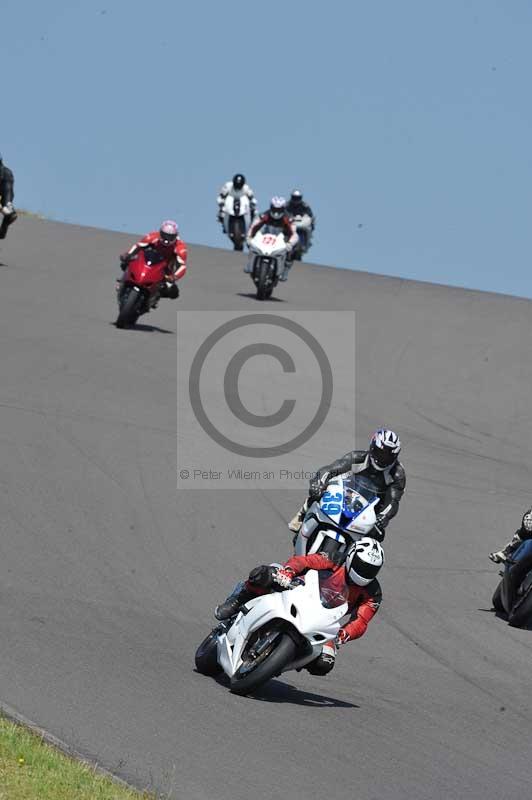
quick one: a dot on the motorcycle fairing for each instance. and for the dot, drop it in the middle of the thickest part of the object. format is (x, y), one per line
(300, 607)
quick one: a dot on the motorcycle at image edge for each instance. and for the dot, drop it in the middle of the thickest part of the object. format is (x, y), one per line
(276, 632)
(344, 514)
(6, 221)
(236, 219)
(140, 290)
(267, 252)
(513, 596)
(303, 225)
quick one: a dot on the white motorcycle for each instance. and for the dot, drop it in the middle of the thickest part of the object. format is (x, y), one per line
(276, 632)
(344, 514)
(236, 219)
(267, 254)
(303, 224)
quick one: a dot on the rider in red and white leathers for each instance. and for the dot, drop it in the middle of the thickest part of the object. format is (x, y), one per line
(167, 242)
(359, 571)
(277, 218)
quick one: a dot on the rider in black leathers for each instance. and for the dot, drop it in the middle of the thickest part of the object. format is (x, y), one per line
(7, 194)
(380, 464)
(296, 206)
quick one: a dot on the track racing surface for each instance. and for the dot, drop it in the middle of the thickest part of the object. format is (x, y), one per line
(108, 576)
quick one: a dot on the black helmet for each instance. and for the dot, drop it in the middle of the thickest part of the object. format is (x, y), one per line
(363, 561)
(384, 449)
(296, 198)
(238, 181)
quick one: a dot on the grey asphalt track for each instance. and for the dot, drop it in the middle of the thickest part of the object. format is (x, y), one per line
(108, 578)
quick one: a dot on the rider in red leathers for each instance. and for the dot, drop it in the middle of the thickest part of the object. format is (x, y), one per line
(359, 570)
(167, 242)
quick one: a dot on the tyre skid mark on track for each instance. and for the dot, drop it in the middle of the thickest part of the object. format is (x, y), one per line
(160, 535)
(433, 653)
(51, 413)
(88, 457)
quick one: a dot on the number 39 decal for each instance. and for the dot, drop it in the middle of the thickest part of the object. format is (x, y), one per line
(331, 504)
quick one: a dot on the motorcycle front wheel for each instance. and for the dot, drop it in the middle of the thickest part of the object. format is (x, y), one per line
(264, 283)
(129, 310)
(206, 656)
(521, 613)
(238, 234)
(497, 599)
(253, 674)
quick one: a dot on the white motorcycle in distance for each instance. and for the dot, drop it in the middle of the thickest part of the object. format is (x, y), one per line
(276, 632)
(267, 254)
(303, 225)
(345, 513)
(236, 219)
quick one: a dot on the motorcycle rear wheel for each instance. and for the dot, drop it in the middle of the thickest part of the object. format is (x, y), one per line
(128, 310)
(283, 653)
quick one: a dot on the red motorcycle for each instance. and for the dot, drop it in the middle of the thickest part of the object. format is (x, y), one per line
(145, 281)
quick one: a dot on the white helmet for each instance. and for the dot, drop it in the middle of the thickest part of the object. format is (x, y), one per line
(277, 207)
(363, 561)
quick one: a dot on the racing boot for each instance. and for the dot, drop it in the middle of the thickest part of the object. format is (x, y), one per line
(118, 288)
(284, 275)
(248, 269)
(6, 222)
(237, 598)
(297, 521)
(500, 556)
(325, 661)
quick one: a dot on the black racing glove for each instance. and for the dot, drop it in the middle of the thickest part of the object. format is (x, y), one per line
(262, 576)
(317, 486)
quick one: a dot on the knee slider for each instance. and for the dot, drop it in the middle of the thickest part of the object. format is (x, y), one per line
(321, 666)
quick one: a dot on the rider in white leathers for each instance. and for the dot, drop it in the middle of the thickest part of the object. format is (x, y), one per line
(236, 188)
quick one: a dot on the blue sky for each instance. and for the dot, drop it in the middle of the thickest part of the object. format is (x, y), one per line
(406, 124)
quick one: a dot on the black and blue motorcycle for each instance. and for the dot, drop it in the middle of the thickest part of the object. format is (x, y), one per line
(512, 598)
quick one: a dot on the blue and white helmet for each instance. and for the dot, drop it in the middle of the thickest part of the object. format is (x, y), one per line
(384, 449)
(277, 207)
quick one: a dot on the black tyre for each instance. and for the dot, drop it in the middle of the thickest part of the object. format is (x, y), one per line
(271, 663)
(264, 287)
(521, 614)
(497, 599)
(206, 661)
(129, 313)
(239, 233)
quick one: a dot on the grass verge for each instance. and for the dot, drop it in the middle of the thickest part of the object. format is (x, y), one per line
(31, 769)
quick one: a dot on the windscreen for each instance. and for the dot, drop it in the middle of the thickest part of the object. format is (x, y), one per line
(333, 588)
(152, 256)
(363, 485)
